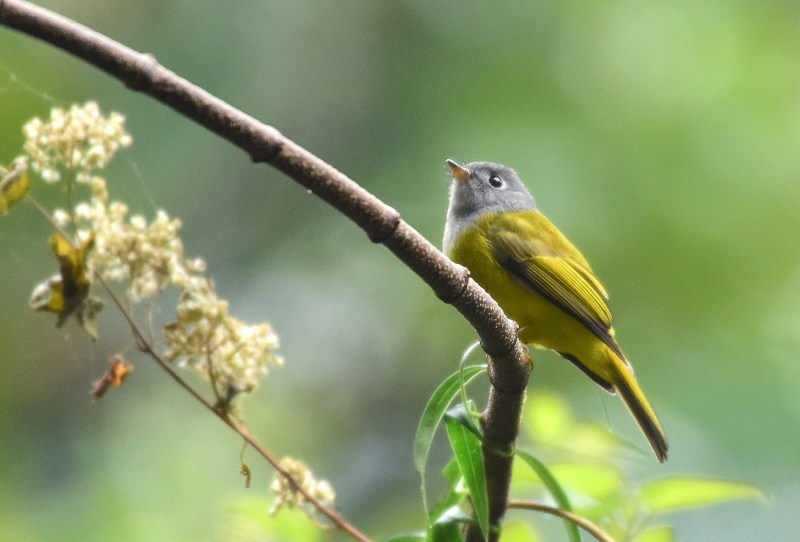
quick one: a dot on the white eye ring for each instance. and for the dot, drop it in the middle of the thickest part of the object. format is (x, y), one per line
(495, 181)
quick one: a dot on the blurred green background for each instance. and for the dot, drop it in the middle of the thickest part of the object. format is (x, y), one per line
(662, 137)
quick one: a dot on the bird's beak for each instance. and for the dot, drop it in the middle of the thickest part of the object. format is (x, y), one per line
(459, 173)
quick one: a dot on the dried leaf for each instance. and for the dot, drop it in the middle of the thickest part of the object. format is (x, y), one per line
(118, 371)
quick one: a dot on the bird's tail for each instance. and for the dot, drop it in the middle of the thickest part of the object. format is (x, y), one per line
(625, 383)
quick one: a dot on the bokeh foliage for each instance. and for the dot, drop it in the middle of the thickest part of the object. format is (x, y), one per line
(661, 137)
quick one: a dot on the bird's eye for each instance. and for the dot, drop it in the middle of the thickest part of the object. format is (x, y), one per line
(495, 181)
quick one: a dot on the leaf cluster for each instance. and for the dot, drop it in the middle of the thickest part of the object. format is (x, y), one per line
(586, 483)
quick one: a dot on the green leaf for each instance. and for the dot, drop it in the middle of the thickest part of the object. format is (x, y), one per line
(446, 532)
(467, 449)
(657, 533)
(454, 514)
(451, 472)
(453, 495)
(555, 489)
(599, 482)
(679, 493)
(447, 526)
(463, 388)
(463, 414)
(435, 409)
(432, 416)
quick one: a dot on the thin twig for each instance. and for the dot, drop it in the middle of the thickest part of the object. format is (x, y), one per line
(70, 186)
(335, 517)
(580, 521)
(40, 208)
(147, 347)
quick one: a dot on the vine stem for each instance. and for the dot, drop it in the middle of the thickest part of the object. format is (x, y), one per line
(509, 366)
(588, 526)
(145, 346)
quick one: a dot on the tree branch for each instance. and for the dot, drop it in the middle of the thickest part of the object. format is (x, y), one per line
(509, 365)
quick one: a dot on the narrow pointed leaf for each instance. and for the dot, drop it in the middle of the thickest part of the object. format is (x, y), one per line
(435, 409)
(447, 532)
(432, 417)
(463, 414)
(467, 449)
(680, 493)
(555, 489)
(442, 511)
(448, 526)
(454, 514)
(451, 473)
(463, 386)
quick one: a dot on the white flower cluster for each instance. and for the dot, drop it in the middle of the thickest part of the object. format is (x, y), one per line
(128, 249)
(148, 256)
(79, 139)
(222, 348)
(289, 497)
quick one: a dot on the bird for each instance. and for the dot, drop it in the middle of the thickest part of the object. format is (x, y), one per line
(540, 280)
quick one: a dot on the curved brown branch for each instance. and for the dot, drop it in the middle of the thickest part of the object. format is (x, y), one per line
(509, 366)
(581, 522)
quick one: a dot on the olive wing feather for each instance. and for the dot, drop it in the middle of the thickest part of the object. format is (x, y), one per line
(542, 259)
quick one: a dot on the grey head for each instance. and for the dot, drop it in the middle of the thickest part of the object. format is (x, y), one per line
(479, 188)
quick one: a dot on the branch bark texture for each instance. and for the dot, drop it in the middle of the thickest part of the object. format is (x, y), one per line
(509, 365)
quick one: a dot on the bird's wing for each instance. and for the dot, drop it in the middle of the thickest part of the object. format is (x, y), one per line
(541, 258)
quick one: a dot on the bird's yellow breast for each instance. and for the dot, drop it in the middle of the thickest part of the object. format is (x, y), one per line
(541, 322)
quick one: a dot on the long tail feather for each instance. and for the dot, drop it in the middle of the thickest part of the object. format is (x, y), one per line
(634, 399)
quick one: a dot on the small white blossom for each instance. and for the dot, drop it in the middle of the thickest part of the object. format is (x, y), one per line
(289, 497)
(150, 258)
(60, 217)
(128, 248)
(219, 346)
(79, 139)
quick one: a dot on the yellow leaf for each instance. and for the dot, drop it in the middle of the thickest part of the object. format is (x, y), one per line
(14, 184)
(72, 266)
(68, 292)
(48, 296)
